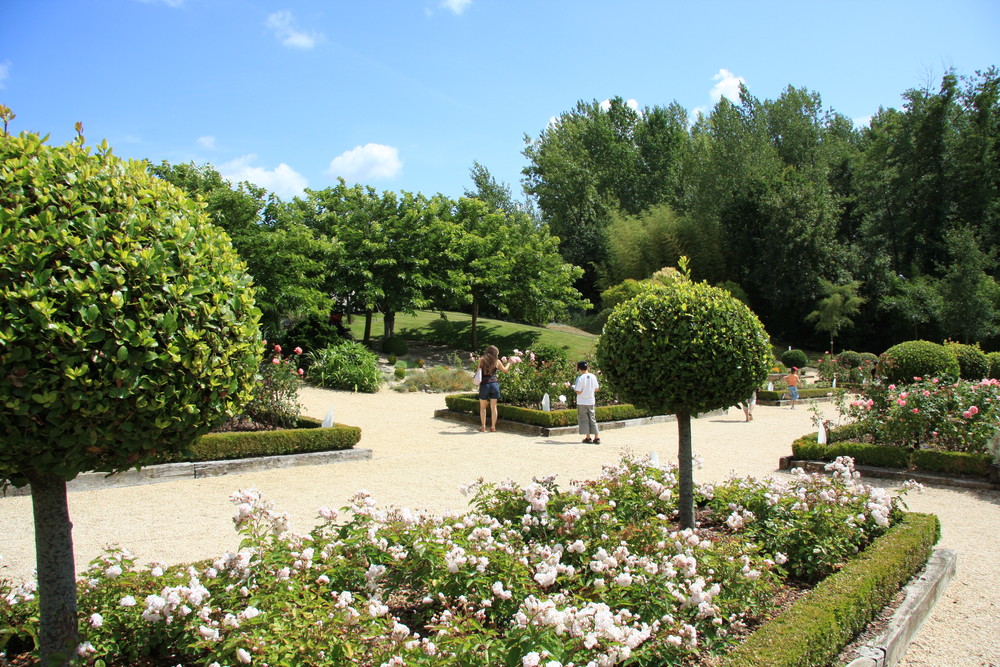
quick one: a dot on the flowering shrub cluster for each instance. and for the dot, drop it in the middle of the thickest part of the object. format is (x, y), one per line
(530, 377)
(275, 395)
(594, 575)
(953, 416)
(846, 367)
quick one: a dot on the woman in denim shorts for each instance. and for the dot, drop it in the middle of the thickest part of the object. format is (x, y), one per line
(489, 388)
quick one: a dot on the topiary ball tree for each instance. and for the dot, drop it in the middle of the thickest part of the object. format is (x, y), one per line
(128, 329)
(686, 349)
(916, 358)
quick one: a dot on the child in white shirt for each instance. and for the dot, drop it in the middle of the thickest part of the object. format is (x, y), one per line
(586, 403)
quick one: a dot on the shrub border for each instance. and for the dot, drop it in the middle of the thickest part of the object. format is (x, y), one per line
(469, 403)
(889, 456)
(815, 629)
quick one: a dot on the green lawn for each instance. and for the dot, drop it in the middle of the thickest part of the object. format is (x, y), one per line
(455, 330)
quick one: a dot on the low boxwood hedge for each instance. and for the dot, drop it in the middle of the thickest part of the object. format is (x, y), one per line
(469, 403)
(815, 629)
(308, 437)
(889, 456)
(810, 392)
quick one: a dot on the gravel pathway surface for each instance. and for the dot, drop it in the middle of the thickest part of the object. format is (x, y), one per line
(420, 462)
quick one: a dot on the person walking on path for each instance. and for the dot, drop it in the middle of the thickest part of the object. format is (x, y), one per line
(792, 379)
(489, 388)
(748, 406)
(586, 402)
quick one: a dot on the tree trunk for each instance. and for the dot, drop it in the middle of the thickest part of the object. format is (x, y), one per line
(389, 324)
(368, 325)
(685, 469)
(58, 635)
(475, 320)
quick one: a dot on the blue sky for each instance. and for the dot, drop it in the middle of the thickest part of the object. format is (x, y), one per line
(405, 95)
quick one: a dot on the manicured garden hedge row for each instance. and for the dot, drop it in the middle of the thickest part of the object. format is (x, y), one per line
(470, 403)
(888, 456)
(817, 627)
(308, 437)
(812, 392)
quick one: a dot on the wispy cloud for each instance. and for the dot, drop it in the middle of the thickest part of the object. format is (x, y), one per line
(4, 72)
(207, 142)
(864, 121)
(361, 164)
(727, 85)
(282, 180)
(456, 6)
(283, 25)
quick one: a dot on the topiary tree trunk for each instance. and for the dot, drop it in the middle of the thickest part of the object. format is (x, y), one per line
(58, 634)
(685, 470)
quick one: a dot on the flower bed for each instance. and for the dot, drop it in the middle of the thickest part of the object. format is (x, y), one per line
(596, 574)
(805, 393)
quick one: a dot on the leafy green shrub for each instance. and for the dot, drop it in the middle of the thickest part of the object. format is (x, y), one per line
(349, 365)
(870, 357)
(275, 399)
(469, 404)
(399, 373)
(916, 359)
(312, 333)
(395, 346)
(994, 359)
(528, 380)
(794, 358)
(850, 359)
(973, 364)
(883, 456)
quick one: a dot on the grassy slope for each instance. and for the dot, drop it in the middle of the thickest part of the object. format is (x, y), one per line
(455, 330)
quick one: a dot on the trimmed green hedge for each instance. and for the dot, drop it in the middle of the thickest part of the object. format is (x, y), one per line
(889, 456)
(605, 413)
(308, 437)
(812, 392)
(817, 627)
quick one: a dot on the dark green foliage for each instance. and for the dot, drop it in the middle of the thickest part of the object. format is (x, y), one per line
(916, 358)
(128, 323)
(349, 365)
(885, 456)
(315, 332)
(469, 403)
(794, 358)
(869, 357)
(994, 359)
(850, 359)
(804, 393)
(658, 349)
(955, 463)
(973, 364)
(307, 437)
(815, 629)
(395, 346)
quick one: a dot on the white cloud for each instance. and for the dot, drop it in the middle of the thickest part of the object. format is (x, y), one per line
(371, 162)
(457, 6)
(4, 72)
(207, 142)
(631, 104)
(282, 180)
(864, 121)
(728, 86)
(285, 29)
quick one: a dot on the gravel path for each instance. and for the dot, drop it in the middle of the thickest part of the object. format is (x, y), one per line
(420, 462)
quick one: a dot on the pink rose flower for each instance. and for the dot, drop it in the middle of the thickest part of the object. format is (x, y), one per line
(276, 361)
(277, 348)
(297, 350)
